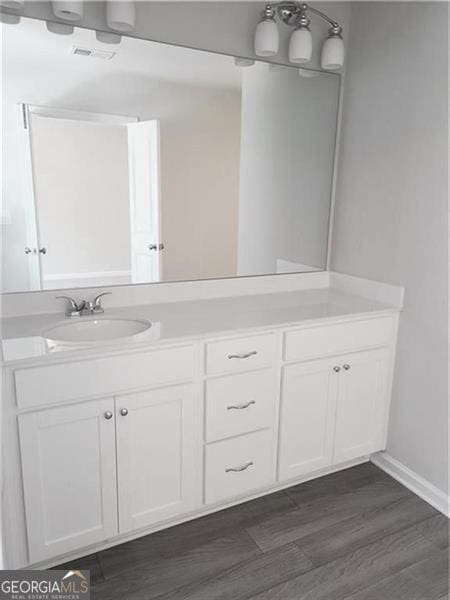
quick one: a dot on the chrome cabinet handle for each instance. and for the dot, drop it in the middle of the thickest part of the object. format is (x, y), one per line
(108, 415)
(241, 406)
(346, 367)
(29, 250)
(238, 469)
(152, 247)
(124, 412)
(245, 355)
(43, 250)
(336, 369)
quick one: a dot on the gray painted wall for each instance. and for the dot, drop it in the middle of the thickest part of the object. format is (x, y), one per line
(391, 210)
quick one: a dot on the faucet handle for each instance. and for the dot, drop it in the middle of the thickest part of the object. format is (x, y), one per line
(75, 308)
(97, 302)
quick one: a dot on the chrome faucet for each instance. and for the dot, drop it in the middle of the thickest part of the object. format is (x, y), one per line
(94, 307)
(90, 307)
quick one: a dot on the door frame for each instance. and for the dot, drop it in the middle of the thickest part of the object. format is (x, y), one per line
(25, 111)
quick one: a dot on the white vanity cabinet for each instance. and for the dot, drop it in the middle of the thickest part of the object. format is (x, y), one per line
(362, 404)
(158, 458)
(69, 477)
(120, 446)
(97, 469)
(307, 417)
(334, 409)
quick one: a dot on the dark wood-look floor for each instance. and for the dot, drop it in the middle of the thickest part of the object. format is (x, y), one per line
(353, 535)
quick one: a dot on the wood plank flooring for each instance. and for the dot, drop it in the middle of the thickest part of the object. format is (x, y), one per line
(353, 535)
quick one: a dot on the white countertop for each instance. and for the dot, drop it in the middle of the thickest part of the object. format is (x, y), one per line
(22, 342)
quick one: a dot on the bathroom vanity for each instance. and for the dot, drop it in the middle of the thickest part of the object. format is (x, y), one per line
(191, 396)
(112, 441)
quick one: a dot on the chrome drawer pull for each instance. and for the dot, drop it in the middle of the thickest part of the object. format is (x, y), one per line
(238, 469)
(241, 406)
(346, 367)
(246, 355)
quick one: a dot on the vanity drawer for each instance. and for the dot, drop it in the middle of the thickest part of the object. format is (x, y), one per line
(236, 466)
(314, 342)
(102, 376)
(240, 354)
(239, 403)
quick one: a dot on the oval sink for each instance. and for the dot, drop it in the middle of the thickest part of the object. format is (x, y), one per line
(95, 330)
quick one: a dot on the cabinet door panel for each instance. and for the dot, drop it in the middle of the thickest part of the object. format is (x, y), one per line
(157, 456)
(69, 474)
(307, 417)
(361, 404)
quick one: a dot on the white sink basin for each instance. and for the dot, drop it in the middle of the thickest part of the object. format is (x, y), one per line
(95, 330)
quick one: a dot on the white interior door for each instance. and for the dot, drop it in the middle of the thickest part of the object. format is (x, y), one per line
(145, 214)
(158, 453)
(32, 244)
(69, 474)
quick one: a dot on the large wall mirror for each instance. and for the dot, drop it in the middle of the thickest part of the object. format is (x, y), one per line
(145, 162)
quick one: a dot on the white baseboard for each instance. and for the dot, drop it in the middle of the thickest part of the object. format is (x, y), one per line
(417, 484)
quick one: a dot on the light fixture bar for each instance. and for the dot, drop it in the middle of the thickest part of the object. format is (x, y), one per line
(295, 14)
(290, 11)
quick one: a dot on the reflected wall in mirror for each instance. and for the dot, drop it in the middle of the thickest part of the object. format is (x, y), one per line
(159, 163)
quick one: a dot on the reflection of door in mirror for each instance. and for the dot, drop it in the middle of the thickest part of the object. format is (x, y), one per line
(96, 191)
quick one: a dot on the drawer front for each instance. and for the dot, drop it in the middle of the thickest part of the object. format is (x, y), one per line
(240, 354)
(316, 342)
(102, 376)
(237, 466)
(239, 404)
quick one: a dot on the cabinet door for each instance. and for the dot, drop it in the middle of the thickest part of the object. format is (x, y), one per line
(69, 475)
(361, 405)
(159, 461)
(307, 417)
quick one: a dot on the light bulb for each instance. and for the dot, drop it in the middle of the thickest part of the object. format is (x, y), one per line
(267, 37)
(68, 10)
(121, 15)
(333, 50)
(300, 45)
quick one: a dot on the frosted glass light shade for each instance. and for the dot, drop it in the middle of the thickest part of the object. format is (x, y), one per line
(300, 46)
(333, 53)
(239, 61)
(13, 4)
(121, 15)
(106, 37)
(69, 10)
(267, 38)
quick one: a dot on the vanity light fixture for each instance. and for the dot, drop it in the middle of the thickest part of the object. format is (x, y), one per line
(295, 14)
(13, 4)
(267, 37)
(240, 61)
(68, 10)
(107, 37)
(60, 28)
(308, 73)
(121, 15)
